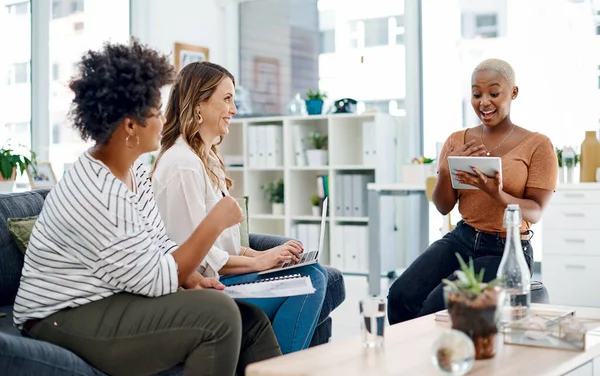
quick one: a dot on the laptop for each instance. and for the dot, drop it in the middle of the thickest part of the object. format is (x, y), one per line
(306, 257)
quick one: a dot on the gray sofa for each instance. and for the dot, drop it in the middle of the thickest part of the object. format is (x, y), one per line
(24, 356)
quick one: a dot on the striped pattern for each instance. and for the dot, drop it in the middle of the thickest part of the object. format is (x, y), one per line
(95, 238)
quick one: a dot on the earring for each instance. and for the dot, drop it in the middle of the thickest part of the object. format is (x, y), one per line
(127, 142)
(200, 119)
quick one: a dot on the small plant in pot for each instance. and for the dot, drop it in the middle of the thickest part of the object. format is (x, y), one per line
(314, 102)
(274, 193)
(474, 307)
(12, 163)
(317, 156)
(315, 200)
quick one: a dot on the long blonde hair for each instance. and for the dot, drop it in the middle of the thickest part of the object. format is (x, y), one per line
(195, 83)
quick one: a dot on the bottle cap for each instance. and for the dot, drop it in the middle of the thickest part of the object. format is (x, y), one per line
(513, 207)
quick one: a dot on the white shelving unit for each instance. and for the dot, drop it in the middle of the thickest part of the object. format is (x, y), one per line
(353, 148)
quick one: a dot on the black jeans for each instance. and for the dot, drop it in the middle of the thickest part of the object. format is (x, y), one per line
(419, 291)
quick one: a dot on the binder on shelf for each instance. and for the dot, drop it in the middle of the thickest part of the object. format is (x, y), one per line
(290, 285)
(369, 143)
(359, 194)
(252, 146)
(339, 196)
(274, 145)
(299, 135)
(347, 198)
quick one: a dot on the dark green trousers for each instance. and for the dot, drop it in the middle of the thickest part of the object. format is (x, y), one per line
(127, 334)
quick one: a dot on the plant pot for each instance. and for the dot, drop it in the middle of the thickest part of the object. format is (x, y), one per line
(277, 208)
(316, 211)
(8, 185)
(477, 317)
(314, 106)
(317, 157)
(417, 173)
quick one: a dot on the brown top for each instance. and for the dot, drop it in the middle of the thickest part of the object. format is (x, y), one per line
(531, 164)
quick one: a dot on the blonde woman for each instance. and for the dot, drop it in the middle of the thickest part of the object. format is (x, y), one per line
(190, 178)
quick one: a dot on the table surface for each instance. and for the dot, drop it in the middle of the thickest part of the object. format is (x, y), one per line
(407, 351)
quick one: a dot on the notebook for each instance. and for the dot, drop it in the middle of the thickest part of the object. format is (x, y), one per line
(289, 285)
(306, 258)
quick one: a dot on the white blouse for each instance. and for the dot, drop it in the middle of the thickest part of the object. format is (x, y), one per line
(184, 194)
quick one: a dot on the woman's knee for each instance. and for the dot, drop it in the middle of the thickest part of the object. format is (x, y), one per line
(210, 304)
(318, 275)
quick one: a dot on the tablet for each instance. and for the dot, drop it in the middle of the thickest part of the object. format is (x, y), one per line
(487, 165)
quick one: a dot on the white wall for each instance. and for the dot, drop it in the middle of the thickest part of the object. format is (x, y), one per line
(207, 23)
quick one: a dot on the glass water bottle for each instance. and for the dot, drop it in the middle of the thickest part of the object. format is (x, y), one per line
(513, 269)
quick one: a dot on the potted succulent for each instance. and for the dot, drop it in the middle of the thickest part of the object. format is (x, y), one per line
(315, 200)
(314, 102)
(11, 163)
(274, 193)
(474, 307)
(317, 156)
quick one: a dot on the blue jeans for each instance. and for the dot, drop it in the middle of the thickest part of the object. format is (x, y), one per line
(419, 291)
(294, 318)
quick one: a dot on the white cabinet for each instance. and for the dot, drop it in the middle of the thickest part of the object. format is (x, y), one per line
(571, 245)
(361, 149)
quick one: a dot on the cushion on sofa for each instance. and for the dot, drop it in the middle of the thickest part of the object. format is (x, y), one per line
(15, 205)
(21, 228)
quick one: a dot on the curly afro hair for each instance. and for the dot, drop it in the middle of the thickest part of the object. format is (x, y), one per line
(119, 81)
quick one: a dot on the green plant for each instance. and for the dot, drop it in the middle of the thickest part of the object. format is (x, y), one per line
(468, 282)
(422, 160)
(310, 94)
(319, 142)
(11, 160)
(315, 200)
(560, 160)
(274, 191)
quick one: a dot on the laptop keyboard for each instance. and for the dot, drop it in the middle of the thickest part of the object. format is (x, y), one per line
(304, 257)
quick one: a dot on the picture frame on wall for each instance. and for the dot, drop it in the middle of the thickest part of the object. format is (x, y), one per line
(189, 53)
(266, 91)
(41, 175)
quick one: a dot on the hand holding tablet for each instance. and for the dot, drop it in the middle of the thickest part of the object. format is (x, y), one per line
(489, 166)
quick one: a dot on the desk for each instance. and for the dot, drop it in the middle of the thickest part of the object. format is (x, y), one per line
(419, 226)
(407, 351)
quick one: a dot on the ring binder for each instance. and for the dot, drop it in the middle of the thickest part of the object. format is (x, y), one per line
(283, 277)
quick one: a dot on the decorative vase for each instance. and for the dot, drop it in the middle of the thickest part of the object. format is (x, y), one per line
(317, 157)
(561, 175)
(314, 106)
(277, 208)
(590, 148)
(477, 317)
(316, 211)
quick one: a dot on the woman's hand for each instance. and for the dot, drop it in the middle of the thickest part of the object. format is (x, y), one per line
(198, 281)
(467, 150)
(226, 213)
(490, 185)
(289, 251)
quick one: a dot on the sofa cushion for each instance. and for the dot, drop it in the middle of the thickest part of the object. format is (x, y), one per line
(21, 228)
(15, 205)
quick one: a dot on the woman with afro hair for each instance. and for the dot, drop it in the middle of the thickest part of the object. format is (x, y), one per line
(101, 278)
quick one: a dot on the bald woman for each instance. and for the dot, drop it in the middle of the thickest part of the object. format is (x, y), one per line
(529, 174)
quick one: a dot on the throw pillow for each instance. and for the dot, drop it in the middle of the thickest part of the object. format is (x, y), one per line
(244, 227)
(21, 228)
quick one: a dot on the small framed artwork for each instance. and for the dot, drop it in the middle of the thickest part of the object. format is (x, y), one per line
(42, 176)
(188, 53)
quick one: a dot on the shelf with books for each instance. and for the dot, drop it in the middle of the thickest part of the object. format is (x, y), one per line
(350, 139)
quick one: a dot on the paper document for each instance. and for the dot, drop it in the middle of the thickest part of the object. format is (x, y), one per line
(272, 287)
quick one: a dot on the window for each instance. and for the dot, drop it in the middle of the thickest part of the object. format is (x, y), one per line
(77, 6)
(327, 42)
(18, 8)
(18, 73)
(55, 72)
(397, 29)
(598, 29)
(72, 38)
(479, 25)
(376, 32)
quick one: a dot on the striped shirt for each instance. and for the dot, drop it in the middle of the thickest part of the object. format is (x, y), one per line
(95, 238)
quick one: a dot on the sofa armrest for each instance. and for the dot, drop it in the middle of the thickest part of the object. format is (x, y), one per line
(263, 242)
